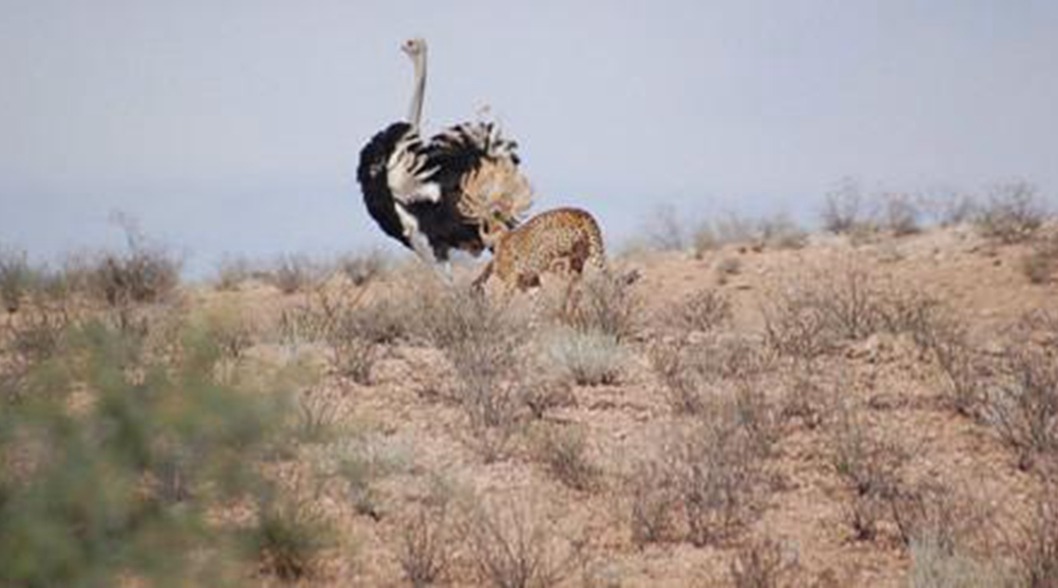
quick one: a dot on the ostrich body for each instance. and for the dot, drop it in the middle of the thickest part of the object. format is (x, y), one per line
(412, 188)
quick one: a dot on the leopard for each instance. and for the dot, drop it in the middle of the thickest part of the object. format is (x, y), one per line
(561, 240)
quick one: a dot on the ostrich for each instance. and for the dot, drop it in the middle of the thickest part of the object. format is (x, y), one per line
(412, 188)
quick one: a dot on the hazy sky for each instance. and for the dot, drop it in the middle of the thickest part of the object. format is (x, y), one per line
(234, 127)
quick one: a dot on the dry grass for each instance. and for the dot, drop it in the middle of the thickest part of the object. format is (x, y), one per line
(563, 450)
(585, 358)
(763, 564)
(511, 547)
(1012, 213)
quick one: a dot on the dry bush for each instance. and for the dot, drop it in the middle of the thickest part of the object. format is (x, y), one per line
(319, 415)
(654, 498)
(562, 449)
(843, 208)
(510, 548)
(775, 232)
(664, 231)
(715, 470)
(762, 564)
(35, 337)
(869, 464)
(934, 565)
(291, 534)
(16, 279)
(232, 272)
(694, 371)
(362, 269)
(812, 318)
(899, 214)
(586, 358)
(805, 398)
(140, 276)
(604, 302)
(485, 345)
(946, 338)
(294, 273)
(704, 480)
(1022, 403)
(1039, 558)
(1012, 214)
(425, 548)
(704, 311)
(1041, 264)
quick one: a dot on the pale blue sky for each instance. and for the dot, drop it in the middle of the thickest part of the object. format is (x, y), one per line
(233, 127)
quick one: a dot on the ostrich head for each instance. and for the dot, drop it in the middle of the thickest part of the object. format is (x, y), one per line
(415, 48)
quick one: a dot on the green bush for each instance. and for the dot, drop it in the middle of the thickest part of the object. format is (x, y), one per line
(110, 465)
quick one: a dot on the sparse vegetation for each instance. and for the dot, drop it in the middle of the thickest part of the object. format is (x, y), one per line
(511, 548)
(586, 358)
(1012, 213)
(562, 451)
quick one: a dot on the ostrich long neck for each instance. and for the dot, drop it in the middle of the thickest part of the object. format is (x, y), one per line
(415, 110)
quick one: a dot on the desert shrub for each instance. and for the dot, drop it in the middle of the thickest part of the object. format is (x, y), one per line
(694, 371)
(141, 275)
(762, 564)
(294, 273)
(1039, 558)
(947, 340)
(843, 208)
(899, 214)
(654, 498)
(425, 548)
(510, 548)
(1012, 213)
(704, 311)
(361, 269)
(776, 232)
(563, 451)
(484, 344)
(319, 415)
(604, 302)
(715, 470)
(586, 358)
(1041, 263)
(780, 232)
(290, 534)
(121, 486)
(934, 565)
(1022, 403)
(664, 231)
(231, 272)
(16, 279)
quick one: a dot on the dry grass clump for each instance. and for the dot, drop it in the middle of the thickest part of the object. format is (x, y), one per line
(1039, 559)
(1012, 213)
(934, 565)
(294, 273)
(319, 415)
(427, 540)
(843, 208)
(1022, 402)
(604, 302)
(291, 534)
(585, 358)
(562, 449)
(511, 548)
(704, 481)
(703, 311)
(142, 275)
(693, 371)
(364, 268)
(764, 564)
(775, 232)
(16, 279)
(1040, 265)
(814, 317)
(232, 272)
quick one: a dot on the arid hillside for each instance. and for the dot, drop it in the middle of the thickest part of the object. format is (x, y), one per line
(860, 408)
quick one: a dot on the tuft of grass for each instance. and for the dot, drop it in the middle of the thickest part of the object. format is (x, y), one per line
(586, 358)
(290, 535)
(363, 269)
(604, 302)
(563, 451)
(425, 548)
